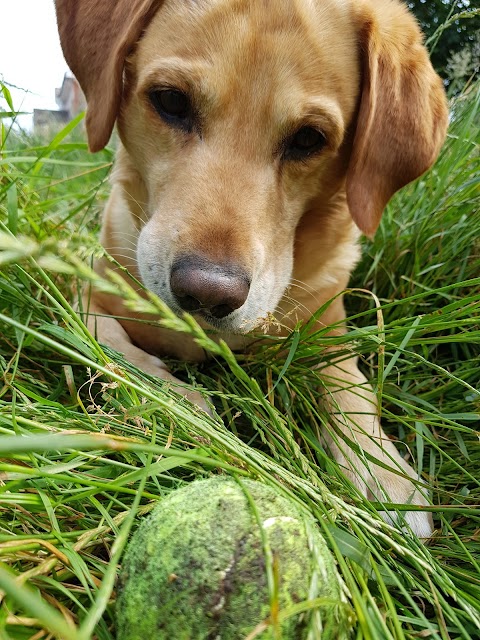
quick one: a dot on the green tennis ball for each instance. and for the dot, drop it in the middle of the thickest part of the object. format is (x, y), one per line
(197, 568)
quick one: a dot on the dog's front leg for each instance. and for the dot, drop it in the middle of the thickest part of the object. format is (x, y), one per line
(352, 406)
(109, 331)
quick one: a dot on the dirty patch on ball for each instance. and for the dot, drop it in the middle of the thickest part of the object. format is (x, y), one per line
(196, 569)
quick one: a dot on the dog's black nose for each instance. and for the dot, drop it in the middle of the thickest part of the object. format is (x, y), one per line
(201, 285)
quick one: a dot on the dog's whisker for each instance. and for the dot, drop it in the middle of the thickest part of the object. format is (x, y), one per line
(296, 306)
(126, 244)
(304, 286)
(129, 265)
(312, 294)
(121, 250)
(309, 293)
(294, 282)
(139, 204)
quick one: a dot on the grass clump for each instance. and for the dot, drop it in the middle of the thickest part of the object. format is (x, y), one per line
(89, 444)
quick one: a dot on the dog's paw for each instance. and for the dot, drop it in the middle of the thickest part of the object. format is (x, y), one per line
(420, 522)
(398, 487)
(155, 367)
(388, 480)
(196, 398)
(389, 486)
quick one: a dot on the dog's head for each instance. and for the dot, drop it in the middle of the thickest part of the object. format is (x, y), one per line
(246, 122)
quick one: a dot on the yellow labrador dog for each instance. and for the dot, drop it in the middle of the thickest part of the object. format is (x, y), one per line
(258, 138)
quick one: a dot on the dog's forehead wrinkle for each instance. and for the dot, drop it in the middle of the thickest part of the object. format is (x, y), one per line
(250, 26)
(287, 8)
(171, 68)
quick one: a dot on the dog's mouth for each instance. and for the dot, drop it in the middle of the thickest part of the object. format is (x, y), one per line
(213, 321)
(232, 323)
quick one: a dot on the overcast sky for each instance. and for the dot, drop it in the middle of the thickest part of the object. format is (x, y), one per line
(30, 53)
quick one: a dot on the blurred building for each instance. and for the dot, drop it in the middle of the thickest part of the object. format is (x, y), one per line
(70, 100)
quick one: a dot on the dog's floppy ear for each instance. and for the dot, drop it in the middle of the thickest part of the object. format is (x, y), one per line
(96, 37)
(402, 117)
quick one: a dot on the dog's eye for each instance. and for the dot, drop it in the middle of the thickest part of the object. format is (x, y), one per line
(305, 142)
(173, 106)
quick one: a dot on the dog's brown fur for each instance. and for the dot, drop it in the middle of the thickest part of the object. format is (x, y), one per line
(257, 70)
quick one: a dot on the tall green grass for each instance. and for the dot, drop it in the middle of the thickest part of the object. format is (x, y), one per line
(89, 444)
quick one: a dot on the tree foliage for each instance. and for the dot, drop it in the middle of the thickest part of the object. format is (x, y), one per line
(463, 34)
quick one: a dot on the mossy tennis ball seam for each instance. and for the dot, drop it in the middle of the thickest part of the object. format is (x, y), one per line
(195, 569)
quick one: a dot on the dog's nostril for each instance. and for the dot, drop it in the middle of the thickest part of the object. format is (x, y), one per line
(199, 284)
(221, 310)
(189, 303)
